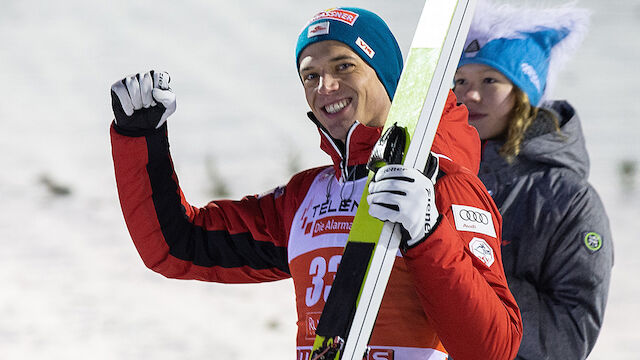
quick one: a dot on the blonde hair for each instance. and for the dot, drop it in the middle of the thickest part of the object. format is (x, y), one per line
(522, 116)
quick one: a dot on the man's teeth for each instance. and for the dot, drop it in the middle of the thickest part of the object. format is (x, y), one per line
(334, 108)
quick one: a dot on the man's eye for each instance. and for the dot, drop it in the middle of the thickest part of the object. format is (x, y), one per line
(310, 77)
(458, 82)
(345, 66)
(489, 80)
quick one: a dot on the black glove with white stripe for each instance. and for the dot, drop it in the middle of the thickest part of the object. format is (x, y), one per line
(142, 102)
(406, 196)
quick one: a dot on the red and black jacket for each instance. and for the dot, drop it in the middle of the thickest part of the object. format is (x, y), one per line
(449, 292)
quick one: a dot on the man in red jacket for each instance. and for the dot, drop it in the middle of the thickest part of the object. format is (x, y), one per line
(447, 293)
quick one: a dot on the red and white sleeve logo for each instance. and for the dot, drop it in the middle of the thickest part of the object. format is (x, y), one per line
(481, 249)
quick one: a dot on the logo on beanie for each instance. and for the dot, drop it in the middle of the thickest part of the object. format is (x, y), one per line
(345, 16)
(366, 48)
(531, 74)
(472, 49)
(318, 29)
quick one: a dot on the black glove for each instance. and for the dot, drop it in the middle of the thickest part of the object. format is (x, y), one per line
(142, 102)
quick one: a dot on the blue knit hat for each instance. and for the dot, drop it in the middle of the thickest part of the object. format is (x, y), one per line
(365, 33)
(524, 61)
(527, 45)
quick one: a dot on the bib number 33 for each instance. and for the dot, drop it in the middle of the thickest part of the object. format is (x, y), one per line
(318, 269)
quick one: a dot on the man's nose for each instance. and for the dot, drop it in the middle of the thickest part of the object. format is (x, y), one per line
(327, 84)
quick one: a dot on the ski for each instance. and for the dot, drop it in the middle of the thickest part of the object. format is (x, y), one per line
(350, 311)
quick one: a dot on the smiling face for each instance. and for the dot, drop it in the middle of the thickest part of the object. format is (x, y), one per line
(341, 88)
(488, 95)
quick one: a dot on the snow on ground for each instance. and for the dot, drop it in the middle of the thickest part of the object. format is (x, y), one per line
(71, 283)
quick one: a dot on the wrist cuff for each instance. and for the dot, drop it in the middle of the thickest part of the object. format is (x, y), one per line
(404, 246)
(138, 132)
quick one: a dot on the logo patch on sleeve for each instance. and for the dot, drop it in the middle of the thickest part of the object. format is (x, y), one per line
(318, 29)
(468, 218)
(481, 249)
(593, 241)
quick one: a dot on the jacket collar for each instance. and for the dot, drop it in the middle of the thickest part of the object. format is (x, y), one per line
(543, 146)
(350, 158)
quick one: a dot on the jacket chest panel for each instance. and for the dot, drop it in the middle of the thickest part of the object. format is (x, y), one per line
(324, 218)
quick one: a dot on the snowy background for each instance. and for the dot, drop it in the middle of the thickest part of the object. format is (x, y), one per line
(71, 283)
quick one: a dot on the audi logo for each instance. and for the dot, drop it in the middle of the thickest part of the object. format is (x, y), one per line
(474, 216)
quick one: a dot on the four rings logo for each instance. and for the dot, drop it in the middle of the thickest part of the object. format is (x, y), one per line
(473, 219)
(475, 216)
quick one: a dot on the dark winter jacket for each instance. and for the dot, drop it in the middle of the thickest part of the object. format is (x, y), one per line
(557, 248)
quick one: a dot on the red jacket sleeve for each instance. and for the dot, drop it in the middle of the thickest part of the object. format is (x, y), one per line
(225, 241)
(459, 275)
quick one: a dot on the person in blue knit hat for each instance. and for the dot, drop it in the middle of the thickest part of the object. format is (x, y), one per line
(362, 36)
(557, 246)
(361, 33)
(439, 301)
(447, 294)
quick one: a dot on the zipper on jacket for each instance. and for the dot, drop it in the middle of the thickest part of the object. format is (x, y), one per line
(345, 157)
(344, 154)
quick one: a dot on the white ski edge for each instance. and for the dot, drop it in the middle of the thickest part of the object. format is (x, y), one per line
(439, 90)
(387, 247)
